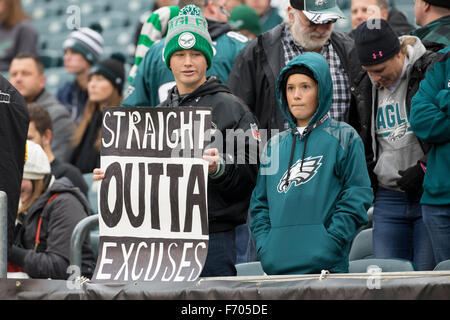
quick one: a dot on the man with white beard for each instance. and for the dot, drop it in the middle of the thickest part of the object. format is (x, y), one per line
(310, 28)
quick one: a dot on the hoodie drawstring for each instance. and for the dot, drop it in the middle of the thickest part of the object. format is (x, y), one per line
(295, 133)
(304, 151)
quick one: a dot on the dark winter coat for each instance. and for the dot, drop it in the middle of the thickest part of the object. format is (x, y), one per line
(14, 122)
(51, 257)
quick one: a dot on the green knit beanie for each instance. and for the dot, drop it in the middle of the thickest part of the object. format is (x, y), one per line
(188, 31)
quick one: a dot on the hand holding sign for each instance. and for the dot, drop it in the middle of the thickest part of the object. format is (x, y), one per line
(153, 194)
(210, 155)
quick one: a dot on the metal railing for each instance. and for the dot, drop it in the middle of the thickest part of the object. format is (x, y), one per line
(78, 235)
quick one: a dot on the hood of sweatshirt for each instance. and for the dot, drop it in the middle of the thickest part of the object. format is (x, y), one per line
(319, 66)
(210, 86)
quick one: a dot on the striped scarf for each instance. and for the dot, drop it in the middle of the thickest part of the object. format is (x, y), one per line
(154, 29)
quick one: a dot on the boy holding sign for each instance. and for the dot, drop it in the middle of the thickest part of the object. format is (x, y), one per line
(188, 53)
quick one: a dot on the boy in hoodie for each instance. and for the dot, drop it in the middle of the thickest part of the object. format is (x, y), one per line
(306, 213)
(395, 67)
(188, 53)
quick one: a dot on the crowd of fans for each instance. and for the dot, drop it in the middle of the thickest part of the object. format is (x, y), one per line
(389, 146)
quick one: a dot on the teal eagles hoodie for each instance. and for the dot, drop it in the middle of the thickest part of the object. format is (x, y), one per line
(304, 220)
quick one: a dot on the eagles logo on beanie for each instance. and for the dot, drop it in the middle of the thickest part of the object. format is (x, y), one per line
(188, 30)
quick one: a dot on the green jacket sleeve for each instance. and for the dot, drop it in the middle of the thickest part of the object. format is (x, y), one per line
(430, 106)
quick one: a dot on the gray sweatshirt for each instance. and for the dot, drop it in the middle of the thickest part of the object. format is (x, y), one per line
(398, 147)
(20, 38)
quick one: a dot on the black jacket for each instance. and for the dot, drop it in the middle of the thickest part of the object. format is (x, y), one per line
(85, 156)
(229, 194)
(256, 69)
(360, 115)
(59, 217)
(13, 134)
(64, 169)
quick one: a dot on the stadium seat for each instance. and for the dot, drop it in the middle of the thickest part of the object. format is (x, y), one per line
(386, 265)
(56, 77)
(362, 246)
(249, 269)
(443, 265)
(92, 191)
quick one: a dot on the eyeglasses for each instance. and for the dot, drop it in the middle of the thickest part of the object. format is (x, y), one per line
(311, 24)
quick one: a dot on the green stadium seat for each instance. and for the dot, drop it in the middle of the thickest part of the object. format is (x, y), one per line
(362, 246)
(443, 265)
(92, 191)
(386, 265)
(249, 269)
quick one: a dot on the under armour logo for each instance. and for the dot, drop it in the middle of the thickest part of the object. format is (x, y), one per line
(374, 55)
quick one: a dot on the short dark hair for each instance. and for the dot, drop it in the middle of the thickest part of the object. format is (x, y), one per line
(40, 116)
(35, 58)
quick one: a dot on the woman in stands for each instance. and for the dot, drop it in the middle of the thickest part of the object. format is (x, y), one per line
(104, 89)
(16, 32)
(48, 212)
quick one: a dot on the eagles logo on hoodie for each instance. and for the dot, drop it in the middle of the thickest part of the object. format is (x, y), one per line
(300, 174)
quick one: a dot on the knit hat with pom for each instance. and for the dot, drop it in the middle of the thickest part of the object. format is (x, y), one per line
(86, 41)
(188, 31)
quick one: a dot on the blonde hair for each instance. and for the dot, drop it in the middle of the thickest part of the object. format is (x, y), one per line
(409, 41)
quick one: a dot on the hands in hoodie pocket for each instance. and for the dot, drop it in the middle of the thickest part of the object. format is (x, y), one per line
(299, 249)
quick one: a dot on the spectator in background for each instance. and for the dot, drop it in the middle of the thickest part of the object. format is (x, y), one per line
(430, 120)
(16, 32)
(395, 67)
(362, 10)
(434, 18)
(268, 15)
(40, 131)
(306, 213)
(105, 84)
(26, 73)
(153, 30)
(145, 18)
(254, 72)
(13, 133)
(245, 20)
(82, 49)
(153, 80)
(48, 212)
